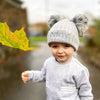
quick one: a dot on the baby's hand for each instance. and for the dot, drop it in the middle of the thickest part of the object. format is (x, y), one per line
(25, 76)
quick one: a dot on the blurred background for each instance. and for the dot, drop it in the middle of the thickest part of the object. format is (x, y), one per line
(33, 15)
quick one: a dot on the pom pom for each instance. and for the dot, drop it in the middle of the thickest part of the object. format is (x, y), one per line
(54, 19)
(81, 22)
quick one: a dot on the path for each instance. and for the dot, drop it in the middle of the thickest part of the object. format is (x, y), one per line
(36, 91)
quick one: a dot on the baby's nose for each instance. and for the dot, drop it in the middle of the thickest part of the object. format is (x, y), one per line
(60, 50)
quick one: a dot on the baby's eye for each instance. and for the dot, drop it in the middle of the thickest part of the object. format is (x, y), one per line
(67, 46)
(55, 46)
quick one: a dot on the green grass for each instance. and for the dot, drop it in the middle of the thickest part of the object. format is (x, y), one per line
(33, 40)
(82, 39)
(44, 38)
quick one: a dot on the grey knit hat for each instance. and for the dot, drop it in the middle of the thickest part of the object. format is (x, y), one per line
(67, 31)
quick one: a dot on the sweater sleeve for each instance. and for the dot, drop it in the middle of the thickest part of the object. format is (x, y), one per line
(38, 76)
(83, 85)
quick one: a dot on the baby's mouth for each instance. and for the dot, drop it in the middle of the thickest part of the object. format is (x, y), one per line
(61, 56)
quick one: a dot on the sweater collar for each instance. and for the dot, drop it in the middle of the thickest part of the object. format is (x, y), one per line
(63, 62)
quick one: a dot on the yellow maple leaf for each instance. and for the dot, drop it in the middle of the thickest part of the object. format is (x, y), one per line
(17, 39)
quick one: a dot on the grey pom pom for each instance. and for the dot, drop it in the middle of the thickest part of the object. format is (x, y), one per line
(81, 22)
(54, 19)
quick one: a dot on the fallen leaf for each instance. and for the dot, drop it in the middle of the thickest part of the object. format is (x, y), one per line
(17, 39)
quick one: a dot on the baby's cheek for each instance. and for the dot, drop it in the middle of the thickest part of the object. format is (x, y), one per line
(71, 52)
(70, 55)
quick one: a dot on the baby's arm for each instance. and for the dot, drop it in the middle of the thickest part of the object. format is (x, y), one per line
(84, 86)
(35, 76)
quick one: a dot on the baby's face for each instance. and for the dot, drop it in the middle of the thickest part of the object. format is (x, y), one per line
(61, 51)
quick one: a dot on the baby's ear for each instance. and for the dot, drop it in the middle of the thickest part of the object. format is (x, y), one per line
(54, 19)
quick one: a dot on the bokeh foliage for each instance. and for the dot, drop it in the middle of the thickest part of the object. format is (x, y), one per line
(94, 39)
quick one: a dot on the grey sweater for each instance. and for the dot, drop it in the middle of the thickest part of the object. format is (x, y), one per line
(64, 81)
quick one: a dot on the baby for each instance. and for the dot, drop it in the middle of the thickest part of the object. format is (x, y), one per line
(66, 78)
